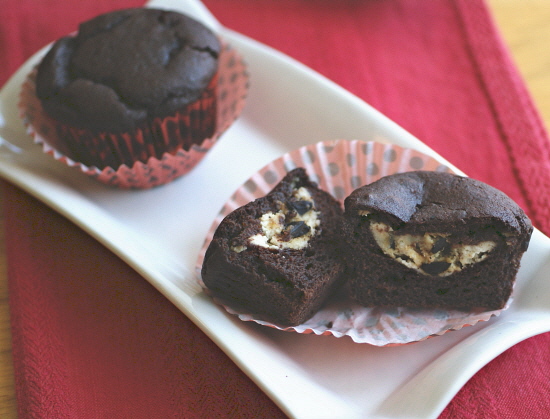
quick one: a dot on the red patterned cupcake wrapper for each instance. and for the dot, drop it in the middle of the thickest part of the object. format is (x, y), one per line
(156, 153)
(188, 126)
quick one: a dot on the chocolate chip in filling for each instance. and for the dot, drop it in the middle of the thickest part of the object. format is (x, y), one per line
(290, 227)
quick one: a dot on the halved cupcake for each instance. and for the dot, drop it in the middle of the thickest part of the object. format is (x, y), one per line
(434, 240)
(278, 257)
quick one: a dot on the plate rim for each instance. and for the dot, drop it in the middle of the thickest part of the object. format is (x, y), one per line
(46, 188)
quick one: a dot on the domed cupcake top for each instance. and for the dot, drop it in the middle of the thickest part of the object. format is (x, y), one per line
(127, 66)
(421, 198)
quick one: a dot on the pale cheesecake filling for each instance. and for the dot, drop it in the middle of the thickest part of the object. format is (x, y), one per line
(430, 253)
(291, 227)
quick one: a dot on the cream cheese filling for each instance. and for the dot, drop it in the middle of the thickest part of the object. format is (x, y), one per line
(429, 253)
(287, 228)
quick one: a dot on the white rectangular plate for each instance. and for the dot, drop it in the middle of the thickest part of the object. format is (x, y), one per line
(307, 376)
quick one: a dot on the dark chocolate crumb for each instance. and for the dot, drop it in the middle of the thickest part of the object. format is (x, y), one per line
(435, 268)
(298, 229)
(440, 244)
(301, 207)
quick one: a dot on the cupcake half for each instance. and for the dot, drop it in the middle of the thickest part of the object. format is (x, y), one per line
(433, 240)
(278, 256)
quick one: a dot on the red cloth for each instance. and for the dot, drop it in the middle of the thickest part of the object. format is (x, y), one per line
(91, 338)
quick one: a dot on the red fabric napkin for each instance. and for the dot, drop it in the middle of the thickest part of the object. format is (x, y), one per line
(92, 339)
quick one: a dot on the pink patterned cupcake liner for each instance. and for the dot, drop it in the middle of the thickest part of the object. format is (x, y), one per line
(340, 167)
(185, 127)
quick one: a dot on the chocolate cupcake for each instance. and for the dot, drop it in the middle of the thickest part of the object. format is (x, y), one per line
(433, 240)
(130, 85)
(136, 97)
(278, 257)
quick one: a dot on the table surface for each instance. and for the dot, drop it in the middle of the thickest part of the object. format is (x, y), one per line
(525, 29)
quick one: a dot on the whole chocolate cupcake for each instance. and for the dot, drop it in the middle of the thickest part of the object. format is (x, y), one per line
(433, 240)
(131, 85)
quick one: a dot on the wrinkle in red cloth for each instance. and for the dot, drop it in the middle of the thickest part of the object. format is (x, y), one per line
(91, 338)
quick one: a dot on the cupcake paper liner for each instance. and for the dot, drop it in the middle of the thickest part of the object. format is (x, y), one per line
(340, 167)
(180, 130)
(230, 94)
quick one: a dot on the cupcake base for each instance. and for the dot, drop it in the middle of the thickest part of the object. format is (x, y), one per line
(191, 125)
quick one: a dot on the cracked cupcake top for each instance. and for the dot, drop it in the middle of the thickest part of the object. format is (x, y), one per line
(125, 67)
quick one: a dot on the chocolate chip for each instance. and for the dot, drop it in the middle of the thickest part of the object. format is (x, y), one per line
(435, 268)
(440, 245)
(298, 229)
(301, 207)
